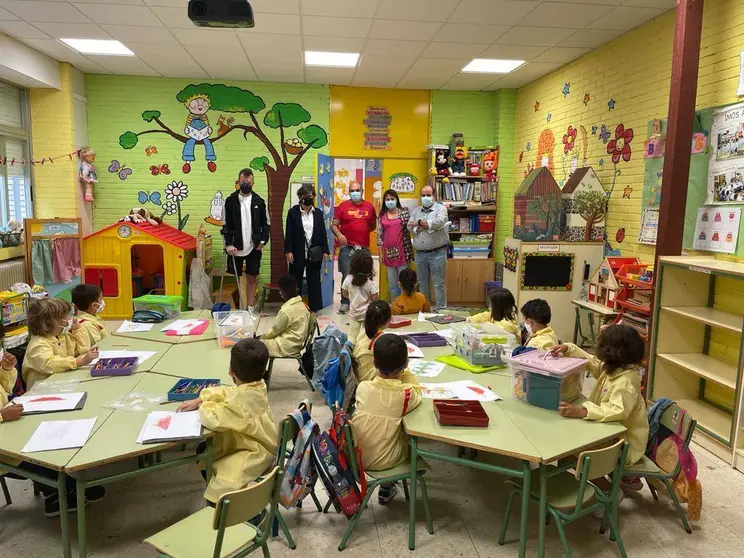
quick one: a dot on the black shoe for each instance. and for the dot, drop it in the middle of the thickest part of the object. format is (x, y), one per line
(94, 494)
(51, 504)
(385, 494)
(258, 519)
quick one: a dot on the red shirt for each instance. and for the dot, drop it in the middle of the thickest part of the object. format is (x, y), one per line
(356, 221)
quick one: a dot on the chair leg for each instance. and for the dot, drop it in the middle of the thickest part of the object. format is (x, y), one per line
(507, 512)
(304, 375)
(315, 500)
(427, 511)
(405, 490)
(677, 505)
(268, 373)
(37, 490)
(6, 492)
(265, 549)
(652, 488)
(285, 530)
(562, 534)
(354, 520)
(328, 505)
(614, 530)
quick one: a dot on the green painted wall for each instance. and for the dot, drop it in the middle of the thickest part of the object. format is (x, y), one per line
(116, 105)
(504, 124)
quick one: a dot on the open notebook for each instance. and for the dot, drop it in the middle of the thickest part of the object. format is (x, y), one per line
(169, 426)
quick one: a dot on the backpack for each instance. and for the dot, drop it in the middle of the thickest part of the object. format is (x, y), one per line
(332, 385)
(325, 347)
(300, 474)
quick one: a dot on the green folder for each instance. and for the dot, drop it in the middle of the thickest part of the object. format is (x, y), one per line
(462, 364)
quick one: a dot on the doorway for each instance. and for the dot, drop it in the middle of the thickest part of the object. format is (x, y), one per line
(148, 270)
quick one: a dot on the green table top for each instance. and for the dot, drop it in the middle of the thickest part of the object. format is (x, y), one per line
(195, 360)
(155, 334)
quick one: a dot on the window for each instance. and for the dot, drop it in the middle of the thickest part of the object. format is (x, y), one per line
(105, 277)
(15, 174)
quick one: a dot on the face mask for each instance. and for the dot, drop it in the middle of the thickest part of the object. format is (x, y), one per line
(67, 327)
(355, 196)
(307, 202)
(528, 328)
(246, 187)
(391, 204)
(427, 201)
(100, 306)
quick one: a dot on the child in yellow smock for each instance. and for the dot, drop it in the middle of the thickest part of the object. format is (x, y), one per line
(289, 331)
(410, 301)
(503, 312)
(246, 441)
(8, 377)
(88, 299)
(537, 317)
(58, 342)
(381, 405)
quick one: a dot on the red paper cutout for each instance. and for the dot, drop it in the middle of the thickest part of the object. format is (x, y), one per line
(164, 423)
(45, 399)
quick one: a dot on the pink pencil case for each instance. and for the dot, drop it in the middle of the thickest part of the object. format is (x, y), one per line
(196, 330)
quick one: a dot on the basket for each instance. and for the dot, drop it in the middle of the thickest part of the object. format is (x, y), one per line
(168, 305)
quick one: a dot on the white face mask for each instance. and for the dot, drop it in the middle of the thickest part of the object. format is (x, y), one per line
(528, 328)
(67, 327)
(100, 306)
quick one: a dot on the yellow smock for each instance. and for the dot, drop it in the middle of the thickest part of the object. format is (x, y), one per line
(509, 326)
(49, 354)
(381, 405)
(363, 353)
(247, 439)
(94, 326)
(543, 339)
(289, 331)
(7, 383)
(617, 397)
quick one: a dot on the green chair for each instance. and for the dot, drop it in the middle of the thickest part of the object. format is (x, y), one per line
(647, 469)
(312, 325)
(6, 492)
(397, 473)
(571, 496)
(224, 530)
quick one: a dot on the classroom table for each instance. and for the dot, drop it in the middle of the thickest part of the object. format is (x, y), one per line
(196, 360)
(415, 327)
(603, 314)
(156, 333)
(210, 334)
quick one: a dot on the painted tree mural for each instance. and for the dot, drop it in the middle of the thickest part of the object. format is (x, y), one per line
(547, 209)
(592, 206)
(278, 166)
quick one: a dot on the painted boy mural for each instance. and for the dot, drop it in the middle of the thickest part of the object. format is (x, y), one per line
(198, 129)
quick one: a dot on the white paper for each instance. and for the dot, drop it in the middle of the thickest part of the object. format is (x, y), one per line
(426, 368)
(437, 391)
(182, 325)
(465, 390)
(169, 425)
(60, 434)
(141, 355)
(422, 316)
(448, 334)
(717, 229)
(47, 403)
(131, 327)
(414, 351)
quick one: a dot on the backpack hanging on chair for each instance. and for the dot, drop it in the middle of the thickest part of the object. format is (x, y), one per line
(300, 474)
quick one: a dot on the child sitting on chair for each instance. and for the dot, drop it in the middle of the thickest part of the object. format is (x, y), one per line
(410, 301)
(290, 329)
(381, 405)
(88, 299)
(8, 377)
(246, 440)
(537, 322)
(58, 341)
(503, 312)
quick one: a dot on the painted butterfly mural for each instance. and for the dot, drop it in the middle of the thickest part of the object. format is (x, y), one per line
(162, 169)
(121, 168)
(144, 197)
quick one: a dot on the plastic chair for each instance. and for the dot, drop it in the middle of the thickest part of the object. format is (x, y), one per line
(399, 472)
(647, 469)
(312, 324)
(570, 496)
(266, 288)
(224, 531)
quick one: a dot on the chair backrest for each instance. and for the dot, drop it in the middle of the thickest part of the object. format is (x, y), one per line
(288, 430)
(671, 419)
(600, 462)
(352, 454)
(311, 325)
(246, 503)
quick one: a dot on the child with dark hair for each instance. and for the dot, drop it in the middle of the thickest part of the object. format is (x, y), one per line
(503, 312)
(381, 405)
(375, 321)
(360, 288)
(410, 301)
(246, 440)
(537, 321)
(8, 377)
(290, 328)
(88, 299)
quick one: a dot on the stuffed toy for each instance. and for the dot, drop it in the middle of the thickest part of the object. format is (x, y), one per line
(473, 168)
(490, 161)
(87, 175)
(441, 162)
(140, 215)
(458, 162)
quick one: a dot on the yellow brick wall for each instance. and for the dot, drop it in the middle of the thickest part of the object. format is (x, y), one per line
(55, 185)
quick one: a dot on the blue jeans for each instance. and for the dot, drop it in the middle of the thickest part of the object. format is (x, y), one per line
(392, 277)
(344, 266)
(432, 265)
(188, 150)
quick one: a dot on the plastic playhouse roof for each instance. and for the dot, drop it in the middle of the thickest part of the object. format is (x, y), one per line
(164, 232)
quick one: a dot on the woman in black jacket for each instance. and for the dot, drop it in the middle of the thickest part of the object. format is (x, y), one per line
(306, 244)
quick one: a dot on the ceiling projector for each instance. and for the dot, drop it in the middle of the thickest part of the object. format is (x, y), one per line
(221, 13)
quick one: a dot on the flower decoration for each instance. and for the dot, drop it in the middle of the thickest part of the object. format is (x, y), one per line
(604, 135)
(177, 191)
(569, 138)
(619, 147)
(170, 207)
(550, 115)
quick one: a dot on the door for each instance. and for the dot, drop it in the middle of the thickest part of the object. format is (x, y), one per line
(453, 281)
(475, 273)
(325, 170)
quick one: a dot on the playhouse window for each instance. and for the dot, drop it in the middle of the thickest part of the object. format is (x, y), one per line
(105, 277)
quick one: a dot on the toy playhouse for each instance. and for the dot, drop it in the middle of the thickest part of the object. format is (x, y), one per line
(603, 285)
(584, 207)
(538, 207)
(129, 260)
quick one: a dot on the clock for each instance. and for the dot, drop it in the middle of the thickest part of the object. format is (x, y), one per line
(125, 231)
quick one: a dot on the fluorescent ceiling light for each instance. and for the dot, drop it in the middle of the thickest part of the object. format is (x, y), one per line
(492, 66)
(332, 59)
(98, 46)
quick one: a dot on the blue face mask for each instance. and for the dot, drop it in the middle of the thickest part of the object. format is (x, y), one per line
(391, 204)
(427, 201)
(355, 196)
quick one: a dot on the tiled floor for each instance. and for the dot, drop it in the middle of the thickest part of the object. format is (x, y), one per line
(467, 508)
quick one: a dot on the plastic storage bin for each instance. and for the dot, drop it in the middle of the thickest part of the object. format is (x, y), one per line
(15, 307)
(121, 366)
(186, 389)
(546, 382)
(233, 326)
(168, 305)
(482, 344)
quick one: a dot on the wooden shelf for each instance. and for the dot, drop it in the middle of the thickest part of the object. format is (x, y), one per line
(648, 285)
(708, 316)
(633, 307)
(465, 177)
(710, 418)
(704, 366)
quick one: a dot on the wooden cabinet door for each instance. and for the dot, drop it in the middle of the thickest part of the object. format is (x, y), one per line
(474, 275)
(453, 281)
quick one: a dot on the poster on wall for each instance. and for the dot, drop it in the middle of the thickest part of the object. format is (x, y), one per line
(377, 122)
(726, 171)
(649, 226)
(717, 229)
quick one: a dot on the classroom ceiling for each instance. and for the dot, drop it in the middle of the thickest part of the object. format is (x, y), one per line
(417, 44)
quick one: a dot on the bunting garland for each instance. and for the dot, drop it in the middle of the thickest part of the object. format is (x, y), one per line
(11, 161)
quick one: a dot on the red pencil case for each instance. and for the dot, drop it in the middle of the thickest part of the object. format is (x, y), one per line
(399, 322)
(453, 412)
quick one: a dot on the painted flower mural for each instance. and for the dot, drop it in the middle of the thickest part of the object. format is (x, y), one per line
(569, 138)
(175, 193)
(170, 208)
(619, 147)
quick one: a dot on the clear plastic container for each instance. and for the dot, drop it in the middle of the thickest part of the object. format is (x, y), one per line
(233, 326)
(482, 344)
(546, 382)
(166, 304)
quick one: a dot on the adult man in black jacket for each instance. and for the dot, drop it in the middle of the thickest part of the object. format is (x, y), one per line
(246, 232)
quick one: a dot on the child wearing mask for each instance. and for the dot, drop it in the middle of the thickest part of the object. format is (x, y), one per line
(88, 299)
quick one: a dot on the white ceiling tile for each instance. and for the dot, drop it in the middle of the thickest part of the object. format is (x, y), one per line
(278, 23)
(561, 55)
(22, 30)
(534, 36)
(88, 67)
(340, 26)
(173, 18)
(333, 44)
(5, 15)
(590, 38)
(381, 71)
(121, 15)
(55, 49)
(668, 4)
(391, 47)
(416, 10)
(256, 43)
(135, 34)
(625, 18)
(208, 38)
(275, 6)
(413, 82)
(169, 60)
(218, 65)
(124, 65)
(433, 71)
(333, 76)
(524, 75)
(448, 50)
(488, 12)
(32, 10)
(464, 33)
(404, 30)
(167, 3)
(340, 8)
(73, 30)
(557, 14)
(285, 66)
(469, 82)
(511, 52)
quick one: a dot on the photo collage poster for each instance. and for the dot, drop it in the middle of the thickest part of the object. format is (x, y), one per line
(717, 229)
(726, 170)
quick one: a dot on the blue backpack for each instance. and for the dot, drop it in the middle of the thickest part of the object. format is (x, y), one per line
(334, 379)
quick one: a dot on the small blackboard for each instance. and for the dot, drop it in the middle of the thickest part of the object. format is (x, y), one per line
(547, 271)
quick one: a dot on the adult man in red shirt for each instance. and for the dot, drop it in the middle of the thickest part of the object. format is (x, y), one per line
(353, 220)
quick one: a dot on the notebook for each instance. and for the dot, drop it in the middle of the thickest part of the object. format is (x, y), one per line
(36, 404)
(169, 426)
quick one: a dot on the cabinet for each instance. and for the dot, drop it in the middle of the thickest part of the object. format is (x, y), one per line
(465, 280)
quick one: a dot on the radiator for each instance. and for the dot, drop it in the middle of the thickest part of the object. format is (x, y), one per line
(12, 272)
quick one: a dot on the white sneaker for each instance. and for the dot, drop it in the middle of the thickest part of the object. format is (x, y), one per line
(599, 514)
(343, 309)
